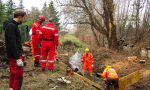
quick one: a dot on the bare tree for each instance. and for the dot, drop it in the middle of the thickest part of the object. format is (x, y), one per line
(99, 14)
(111, 18)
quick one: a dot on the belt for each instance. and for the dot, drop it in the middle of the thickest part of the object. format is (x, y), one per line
(44, 39)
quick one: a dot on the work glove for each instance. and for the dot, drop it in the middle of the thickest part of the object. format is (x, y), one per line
(92, 65)
(20, 63)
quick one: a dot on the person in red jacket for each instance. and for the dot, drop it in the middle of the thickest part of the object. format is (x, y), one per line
(88, 61)
(35, 39)
(49, 43)
(14, 50)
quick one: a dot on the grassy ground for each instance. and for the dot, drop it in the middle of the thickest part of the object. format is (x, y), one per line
(35, 79)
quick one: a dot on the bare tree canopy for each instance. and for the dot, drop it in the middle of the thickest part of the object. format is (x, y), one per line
(111, 18)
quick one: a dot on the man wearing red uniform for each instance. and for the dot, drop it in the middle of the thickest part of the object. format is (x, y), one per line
(35, 39)
(14, 50)
(49, 43)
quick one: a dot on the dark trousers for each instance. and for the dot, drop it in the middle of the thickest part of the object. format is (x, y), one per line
(110, 81)
(16, 75)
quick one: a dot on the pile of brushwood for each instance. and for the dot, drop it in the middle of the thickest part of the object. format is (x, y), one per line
(3, 57)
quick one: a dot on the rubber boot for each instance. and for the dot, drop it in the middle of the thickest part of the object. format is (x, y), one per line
(83, 72)
(91, 74)
(43, 69)
(36, 64)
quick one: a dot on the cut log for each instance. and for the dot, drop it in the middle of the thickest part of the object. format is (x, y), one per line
(142, 61)
(132, 58)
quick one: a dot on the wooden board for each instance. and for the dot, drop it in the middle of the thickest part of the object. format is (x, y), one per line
(89, 81)
(129, 80)
(124, 82)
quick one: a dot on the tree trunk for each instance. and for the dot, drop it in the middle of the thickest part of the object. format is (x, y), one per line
(96, 39)
(108, 6)
(112, 41)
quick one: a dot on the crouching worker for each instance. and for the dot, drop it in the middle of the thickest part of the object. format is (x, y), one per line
(110, 77)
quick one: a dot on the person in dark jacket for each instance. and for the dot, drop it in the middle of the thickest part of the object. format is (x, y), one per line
(14, 50)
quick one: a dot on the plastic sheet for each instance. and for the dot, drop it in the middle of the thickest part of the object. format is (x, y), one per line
(75, 61)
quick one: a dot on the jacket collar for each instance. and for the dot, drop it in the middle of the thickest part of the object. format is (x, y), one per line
(15, 22)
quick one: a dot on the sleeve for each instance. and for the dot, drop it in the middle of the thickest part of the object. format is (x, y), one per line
(83, 58)
(92, 58)
(40, 35)
(33, 29)
(104, 74)
(19, 44)
(56, 37)
(11, 40)
(38, 32)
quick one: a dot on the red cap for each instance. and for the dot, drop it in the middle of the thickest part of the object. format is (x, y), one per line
(42, 18)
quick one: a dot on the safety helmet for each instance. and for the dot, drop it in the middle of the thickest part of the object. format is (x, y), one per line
(87, 50)
(42, 18)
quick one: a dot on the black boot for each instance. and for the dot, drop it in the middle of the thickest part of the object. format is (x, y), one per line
(36, 64)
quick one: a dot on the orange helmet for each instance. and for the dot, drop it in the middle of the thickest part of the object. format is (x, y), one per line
(42, 18)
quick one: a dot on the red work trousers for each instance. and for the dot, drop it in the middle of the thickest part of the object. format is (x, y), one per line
(88, 66)
(36, 49)
(48, 54)
(16, 75)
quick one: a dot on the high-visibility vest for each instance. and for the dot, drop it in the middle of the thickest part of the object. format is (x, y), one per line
(109, 73)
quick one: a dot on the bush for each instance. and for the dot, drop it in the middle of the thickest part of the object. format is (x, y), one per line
(71, 39)
(1, 28)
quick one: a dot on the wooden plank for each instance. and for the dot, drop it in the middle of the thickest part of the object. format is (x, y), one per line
(89, 81)
(129, 80)
(124, 82)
